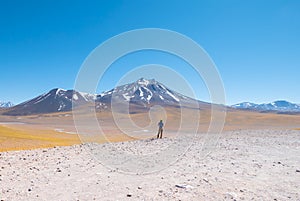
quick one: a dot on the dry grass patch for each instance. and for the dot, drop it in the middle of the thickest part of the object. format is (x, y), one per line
(20, 139)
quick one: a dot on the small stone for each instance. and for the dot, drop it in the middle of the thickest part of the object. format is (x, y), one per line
(297, 170)
(206, 180)
(129, 195)
(29, 189)
(139, 188)
(184, 186)
(179, 186)
(231, 195)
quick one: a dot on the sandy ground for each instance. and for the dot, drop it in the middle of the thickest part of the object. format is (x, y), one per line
(247, 165)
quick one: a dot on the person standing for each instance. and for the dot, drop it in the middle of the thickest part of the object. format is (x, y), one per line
(160, 129)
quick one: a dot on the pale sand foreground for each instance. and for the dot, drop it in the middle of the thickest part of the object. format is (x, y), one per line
(247, 165)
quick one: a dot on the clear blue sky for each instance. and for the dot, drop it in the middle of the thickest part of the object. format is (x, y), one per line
(255, 44)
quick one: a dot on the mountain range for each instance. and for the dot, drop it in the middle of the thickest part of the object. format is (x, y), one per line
(141, 94)
(280, 106)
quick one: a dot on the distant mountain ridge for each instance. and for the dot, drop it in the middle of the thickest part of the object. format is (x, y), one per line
(277, 106)
(6, 104)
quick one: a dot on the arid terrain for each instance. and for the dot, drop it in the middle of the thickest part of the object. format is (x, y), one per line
(255, 158)
(247, 165)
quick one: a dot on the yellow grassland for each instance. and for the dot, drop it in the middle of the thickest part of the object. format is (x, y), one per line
(19, 139)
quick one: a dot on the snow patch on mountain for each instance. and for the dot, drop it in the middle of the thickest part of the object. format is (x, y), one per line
(6, 104)
(87, 96)
(172, 95)
(59, 90)
(75, 97)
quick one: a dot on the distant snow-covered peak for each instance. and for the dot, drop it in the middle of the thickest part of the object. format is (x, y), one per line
(280, 106)
(244, 105)
(6, 104)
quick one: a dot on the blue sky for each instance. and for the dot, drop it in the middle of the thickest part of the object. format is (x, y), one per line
(254, 44)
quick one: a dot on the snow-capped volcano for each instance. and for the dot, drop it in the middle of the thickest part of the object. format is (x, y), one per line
(6, 104)
(278, 106)
(143, 92)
